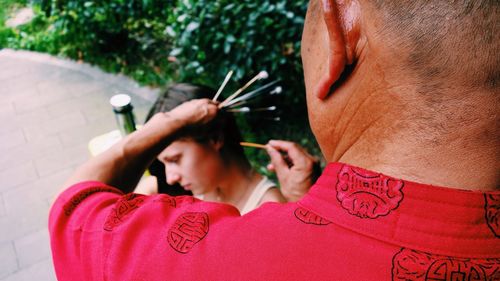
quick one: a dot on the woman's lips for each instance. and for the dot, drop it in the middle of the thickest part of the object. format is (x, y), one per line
(186, 186)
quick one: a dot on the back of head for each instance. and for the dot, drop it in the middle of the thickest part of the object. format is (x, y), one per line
(413, 82)
(445, 43)
(451, 51)
(222, 128)
(177, 94)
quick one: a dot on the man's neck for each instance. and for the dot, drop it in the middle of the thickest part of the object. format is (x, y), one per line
(449, 152)
(444, 165)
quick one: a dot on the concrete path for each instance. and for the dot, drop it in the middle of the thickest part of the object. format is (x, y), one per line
(49, 110)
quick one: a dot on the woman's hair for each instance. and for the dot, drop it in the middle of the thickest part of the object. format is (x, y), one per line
(222, 128)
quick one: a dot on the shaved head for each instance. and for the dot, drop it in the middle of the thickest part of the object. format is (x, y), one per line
(445, 41)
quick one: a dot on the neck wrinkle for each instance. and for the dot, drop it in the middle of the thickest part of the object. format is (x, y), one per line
(415, 151)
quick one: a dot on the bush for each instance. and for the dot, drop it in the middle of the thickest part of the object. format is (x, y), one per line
(157, 41)
(213, 37)
(118, 35)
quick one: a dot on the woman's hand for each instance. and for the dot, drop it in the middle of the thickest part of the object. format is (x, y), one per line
(124, 163)
(294, 166)
(195, 112)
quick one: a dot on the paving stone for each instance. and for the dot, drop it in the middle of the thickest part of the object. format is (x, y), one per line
(16, 121)
(71, 75)
(6, 109)
(85, 88)
(40, 191)
(58, 106)
(25, 221)
(53, 92)
(17, 175)
(99, 113)
(67, 157)
(2, 206)
(11, 139)
(54, 125)
(8, 262)
(75, 104)
(31, 118)
(81, 135)
(20, 83)
(26, 93)
(33, 149)
(19, 199)
(8, 116)
(33, 248)
(41, 271)
(45, 96)
(10, 69)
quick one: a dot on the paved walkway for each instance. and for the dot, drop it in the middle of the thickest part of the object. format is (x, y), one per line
(49, 110)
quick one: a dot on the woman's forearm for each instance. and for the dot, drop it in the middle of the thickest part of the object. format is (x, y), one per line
(124, 163)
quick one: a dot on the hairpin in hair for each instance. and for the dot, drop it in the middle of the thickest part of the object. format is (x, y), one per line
(228, 76)
(254, 93)
(261, 75)
(247, 109)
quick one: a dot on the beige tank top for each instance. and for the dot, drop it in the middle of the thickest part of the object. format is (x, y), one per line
(253, 201)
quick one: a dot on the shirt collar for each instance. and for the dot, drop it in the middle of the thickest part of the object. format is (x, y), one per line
(423, 217)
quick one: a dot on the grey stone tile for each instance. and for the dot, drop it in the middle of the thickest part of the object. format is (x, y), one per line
(41, 271)
(54, 125)
(8, 260)
(36, 148)
(11, 139)
(72, 75)
(32, 118)
(71, 105)
(17, 121)
(67, 157)
(33, 248)
(17, 175)
(38, 192)
(52, 91)
(6, 109)
(99, 113)
(28, 104)
(2, 206)
(85, 88)
(48, 93)
(10, 68)
(27, 219)
(81, 135)
(59, 106)
(26, 93)
(19, 199)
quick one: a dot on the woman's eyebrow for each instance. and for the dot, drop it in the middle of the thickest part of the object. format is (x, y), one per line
(172, 156)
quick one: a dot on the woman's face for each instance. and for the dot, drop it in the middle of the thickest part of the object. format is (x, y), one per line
(195, 166)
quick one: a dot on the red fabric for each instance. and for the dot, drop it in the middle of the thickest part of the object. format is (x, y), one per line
(352, 225)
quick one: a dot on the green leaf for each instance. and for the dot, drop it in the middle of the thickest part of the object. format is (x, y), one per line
(192, 26)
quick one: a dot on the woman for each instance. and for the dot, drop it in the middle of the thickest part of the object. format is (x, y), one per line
(208, 160)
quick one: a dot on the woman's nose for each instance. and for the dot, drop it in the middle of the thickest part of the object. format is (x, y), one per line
(172, 177)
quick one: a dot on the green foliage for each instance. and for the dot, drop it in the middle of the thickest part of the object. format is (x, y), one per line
(120, 36)
(213, 37)
(157, 41)
(6, 8)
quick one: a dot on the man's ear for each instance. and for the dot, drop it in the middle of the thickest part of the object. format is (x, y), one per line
(343, 32)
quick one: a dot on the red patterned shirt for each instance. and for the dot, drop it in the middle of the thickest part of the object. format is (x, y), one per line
(353, 224)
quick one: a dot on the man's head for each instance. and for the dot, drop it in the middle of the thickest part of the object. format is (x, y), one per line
(397, 62)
